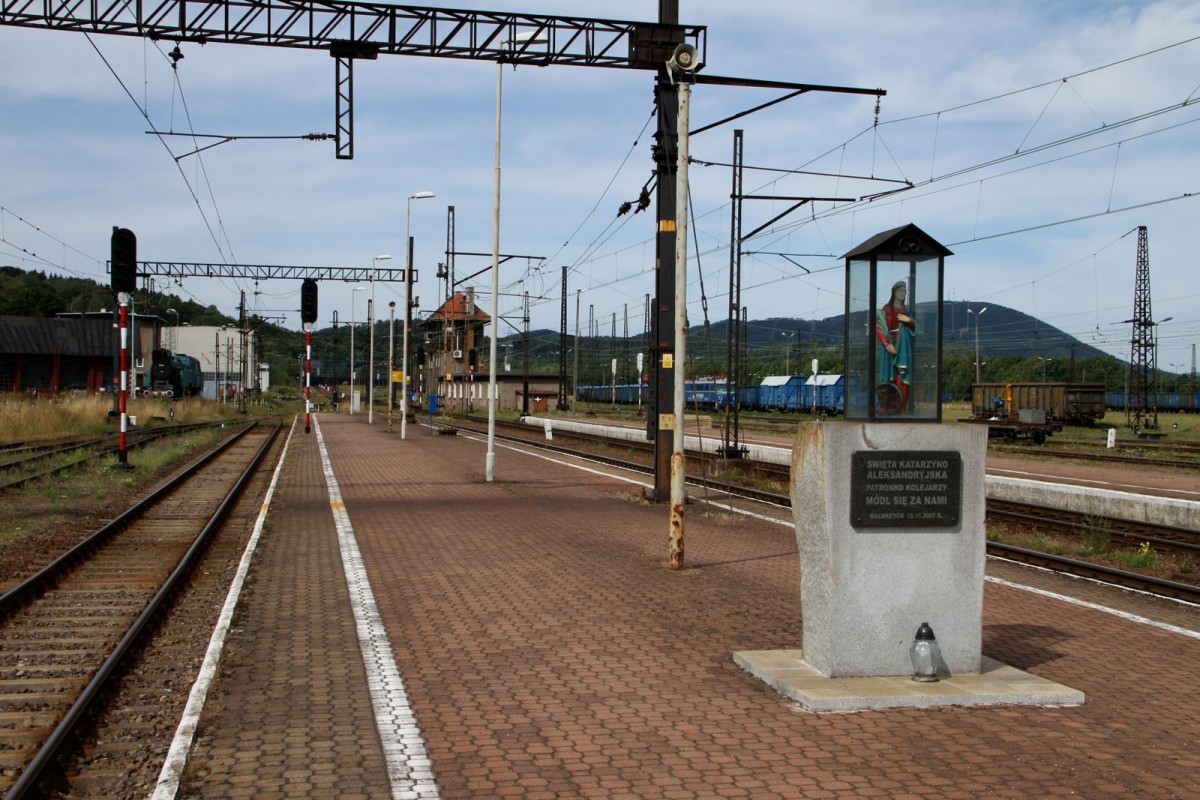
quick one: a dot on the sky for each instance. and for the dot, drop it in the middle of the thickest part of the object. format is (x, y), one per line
(1036, 135)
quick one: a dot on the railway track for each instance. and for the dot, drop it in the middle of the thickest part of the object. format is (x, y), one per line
(1175, 457)
(67, 632)
(1163, 539)
(23, 463)
(1086, 569)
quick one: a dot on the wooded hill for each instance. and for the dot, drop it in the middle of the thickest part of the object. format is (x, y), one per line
(1013, 346)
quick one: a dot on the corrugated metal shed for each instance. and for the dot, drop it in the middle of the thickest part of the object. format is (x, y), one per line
(39, 336)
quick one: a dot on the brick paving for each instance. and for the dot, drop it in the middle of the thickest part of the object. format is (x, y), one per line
(548, 653)
(289, 715)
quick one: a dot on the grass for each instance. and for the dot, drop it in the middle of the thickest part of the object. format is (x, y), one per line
(55, 501)
(78, 493)
(1098, 550)
(1095, 537)
(1142, 558)
(67, 414)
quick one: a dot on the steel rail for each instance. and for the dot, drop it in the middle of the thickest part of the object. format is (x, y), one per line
(1170, 538)
(19, 446)
(1119, 577)
(1111, 458)
(32, 586)
(137, 439)
(49, 751)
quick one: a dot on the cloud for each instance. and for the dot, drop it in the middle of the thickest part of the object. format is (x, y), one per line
(78, 161)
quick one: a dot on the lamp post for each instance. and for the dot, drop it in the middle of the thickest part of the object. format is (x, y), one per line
(391, 359)
(1044, 361)
(371, 358)
(353, 372)
(407, 311)
(1157, 372)
(977, 315)
(1178, 373)
(490, 465)
(787, 352)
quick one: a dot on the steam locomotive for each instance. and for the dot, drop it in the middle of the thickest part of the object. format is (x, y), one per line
(174, 374)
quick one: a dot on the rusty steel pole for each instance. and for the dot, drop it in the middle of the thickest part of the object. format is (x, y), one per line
(678, 465)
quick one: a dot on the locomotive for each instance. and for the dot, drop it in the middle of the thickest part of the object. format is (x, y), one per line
(174, 374)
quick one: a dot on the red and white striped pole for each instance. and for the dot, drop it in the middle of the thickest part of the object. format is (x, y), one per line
(307, 380)
(123, 299)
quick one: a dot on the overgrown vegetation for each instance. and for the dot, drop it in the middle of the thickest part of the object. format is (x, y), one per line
(65, 414)
(47, 504)
(1094, 545)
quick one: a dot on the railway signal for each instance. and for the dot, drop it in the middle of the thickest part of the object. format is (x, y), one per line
(308, 315)
(123, 260)
(124, 280)
(308, 301)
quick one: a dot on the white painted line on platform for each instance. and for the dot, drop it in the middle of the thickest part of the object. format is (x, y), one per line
(558, 460)
(409, 768)
(181, 745)
(1096, 607)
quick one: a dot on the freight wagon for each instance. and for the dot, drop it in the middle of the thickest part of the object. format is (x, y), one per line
(1035, 410)
(795, 393)
(1187, 402)
(701, 393)
(1063, 403)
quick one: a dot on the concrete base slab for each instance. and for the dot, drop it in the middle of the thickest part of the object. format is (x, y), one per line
(996, 684)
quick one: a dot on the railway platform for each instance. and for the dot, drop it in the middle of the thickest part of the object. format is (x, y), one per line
(409, 630)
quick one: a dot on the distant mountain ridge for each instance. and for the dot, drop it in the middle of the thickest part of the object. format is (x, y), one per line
(1003, 331)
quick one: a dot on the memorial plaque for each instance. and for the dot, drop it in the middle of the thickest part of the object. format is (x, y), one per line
(906, 489)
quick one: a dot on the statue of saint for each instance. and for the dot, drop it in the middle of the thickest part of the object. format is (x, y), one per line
(895, 329)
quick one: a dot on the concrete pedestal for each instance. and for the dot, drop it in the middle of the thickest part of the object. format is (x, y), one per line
(867, 584)
(889, 522)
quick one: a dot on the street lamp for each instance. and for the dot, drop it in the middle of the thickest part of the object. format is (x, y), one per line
(371, 361)
(1178, 374)
(353, 372)
(787, 352)
(407, 313)
(977, 315)
(531, 37)
(1044, 361)
(1157, 372)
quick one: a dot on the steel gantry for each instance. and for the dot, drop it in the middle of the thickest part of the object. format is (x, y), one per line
(349, 31)
(259, 272)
